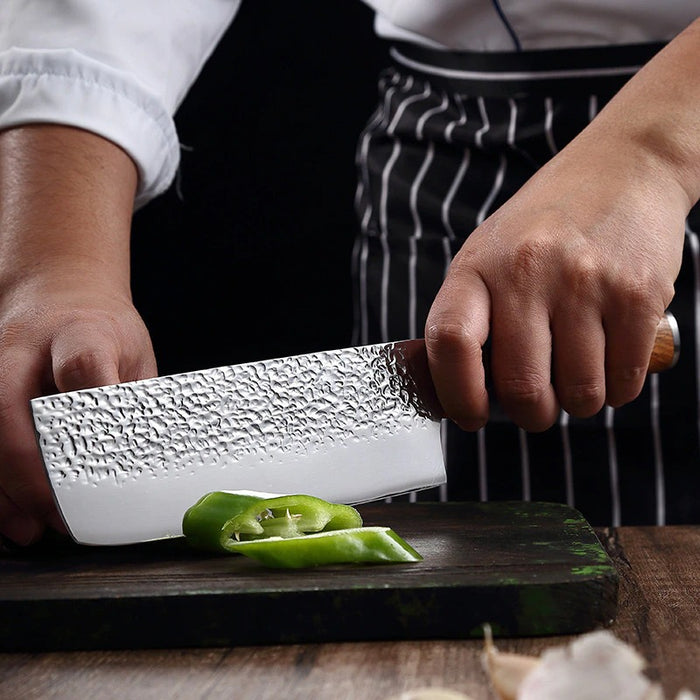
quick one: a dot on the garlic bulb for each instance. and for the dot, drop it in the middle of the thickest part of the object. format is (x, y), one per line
(593, 666)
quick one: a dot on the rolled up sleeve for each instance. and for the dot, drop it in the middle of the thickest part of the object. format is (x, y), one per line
(119, 70)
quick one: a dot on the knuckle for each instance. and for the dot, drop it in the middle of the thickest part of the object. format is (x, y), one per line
(624, 384)
(581, 274)
(80, 367)
(526, 260)
(451, 340)
(525, 390)
(644, 294)
(627, 374)
(635, 294)
(582, 399)
(82, 356)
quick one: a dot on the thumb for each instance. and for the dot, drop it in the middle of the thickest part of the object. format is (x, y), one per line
(83, 355)
(456, 330)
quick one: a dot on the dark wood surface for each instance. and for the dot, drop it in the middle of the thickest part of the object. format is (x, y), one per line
(526, 568)
(658, 613)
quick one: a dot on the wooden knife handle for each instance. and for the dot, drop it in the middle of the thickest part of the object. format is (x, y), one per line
(667, 344)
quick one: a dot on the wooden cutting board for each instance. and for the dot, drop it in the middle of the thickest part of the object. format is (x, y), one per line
(526, 568)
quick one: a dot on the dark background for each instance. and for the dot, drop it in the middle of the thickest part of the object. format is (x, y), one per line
(247, 256)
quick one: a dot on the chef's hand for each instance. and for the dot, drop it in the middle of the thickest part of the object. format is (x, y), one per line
(570, 278)
(66, 317)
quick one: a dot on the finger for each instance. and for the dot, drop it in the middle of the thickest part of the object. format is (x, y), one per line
(579, 360)
(629, 343)
(15, 525)
(521, 354)
(455, 331)
(83, 356)
(22, 475)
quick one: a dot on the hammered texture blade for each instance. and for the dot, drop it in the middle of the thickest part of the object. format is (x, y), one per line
(125, 461)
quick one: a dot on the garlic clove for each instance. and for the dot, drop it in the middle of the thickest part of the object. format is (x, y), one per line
(430, 693)
(506, 671)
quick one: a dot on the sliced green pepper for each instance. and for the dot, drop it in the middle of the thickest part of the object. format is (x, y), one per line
(222, 516)
(351, 546)
(290, 531)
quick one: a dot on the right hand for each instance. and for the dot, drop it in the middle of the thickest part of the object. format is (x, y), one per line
(58, 333)
(67, 320)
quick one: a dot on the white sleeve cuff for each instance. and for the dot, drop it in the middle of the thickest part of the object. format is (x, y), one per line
(63, 86)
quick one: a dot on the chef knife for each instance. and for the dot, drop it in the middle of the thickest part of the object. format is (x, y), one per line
(353, 425)
(125, 461)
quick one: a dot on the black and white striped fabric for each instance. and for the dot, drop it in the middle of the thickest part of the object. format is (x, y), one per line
(453, 137)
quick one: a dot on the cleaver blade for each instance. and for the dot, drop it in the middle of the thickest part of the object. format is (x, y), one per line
(125, 461)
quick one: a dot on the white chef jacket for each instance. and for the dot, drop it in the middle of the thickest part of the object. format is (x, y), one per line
(121, 69)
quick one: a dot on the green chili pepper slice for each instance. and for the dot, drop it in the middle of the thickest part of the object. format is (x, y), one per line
(222, 516)
(360, 545)
(290, 531)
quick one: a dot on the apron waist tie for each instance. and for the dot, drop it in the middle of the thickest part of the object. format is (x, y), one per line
(508, 73)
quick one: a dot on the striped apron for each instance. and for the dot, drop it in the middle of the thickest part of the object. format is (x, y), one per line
(453, 137)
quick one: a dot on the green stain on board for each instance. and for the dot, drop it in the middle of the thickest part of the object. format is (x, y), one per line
(409, 608)
(590, 550)
(593, 570)
(537, 610)
(510, 580)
